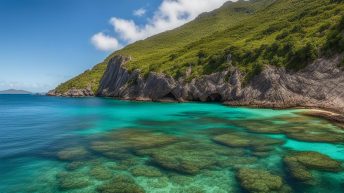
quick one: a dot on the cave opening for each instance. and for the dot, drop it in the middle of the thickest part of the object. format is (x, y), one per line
(215, 97)
(170, 96)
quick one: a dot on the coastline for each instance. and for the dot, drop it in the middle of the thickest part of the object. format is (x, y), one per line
(330, 114)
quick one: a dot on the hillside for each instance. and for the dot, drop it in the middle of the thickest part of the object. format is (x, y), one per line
(230, 14)
(255, 34)
(13, 91)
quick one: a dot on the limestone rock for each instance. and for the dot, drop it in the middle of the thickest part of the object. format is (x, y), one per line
(320, 84)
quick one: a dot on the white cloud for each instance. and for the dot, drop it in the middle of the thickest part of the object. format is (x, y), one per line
(169, 15)
(104, 42)
(140, 12)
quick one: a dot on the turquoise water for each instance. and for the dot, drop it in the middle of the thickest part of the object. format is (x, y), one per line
(161, 147)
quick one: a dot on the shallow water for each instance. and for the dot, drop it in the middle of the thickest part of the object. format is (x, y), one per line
(50, 144)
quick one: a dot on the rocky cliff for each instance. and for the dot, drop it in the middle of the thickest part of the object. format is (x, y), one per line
(320, 84)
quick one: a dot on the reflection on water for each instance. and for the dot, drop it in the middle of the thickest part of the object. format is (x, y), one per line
(101, 145)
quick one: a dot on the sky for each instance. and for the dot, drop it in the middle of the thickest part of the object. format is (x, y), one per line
(46, 42)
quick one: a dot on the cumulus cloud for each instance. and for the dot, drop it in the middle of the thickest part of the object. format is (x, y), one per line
(169, 15)
(140, 12)
(104, 42)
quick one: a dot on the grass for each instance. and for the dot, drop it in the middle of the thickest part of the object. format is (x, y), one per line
(284, 33)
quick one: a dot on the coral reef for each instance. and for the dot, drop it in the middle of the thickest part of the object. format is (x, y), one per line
(260, 146)
(73, 153)
(120, 184)
(70, 181)
(261, 181)
(186, 157)
(299, 165)
(120, 144)
(144, 170)
(100, 172)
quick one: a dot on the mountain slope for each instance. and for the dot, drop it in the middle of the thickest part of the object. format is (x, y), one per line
(254, 34)
(13, 91)
(229, 14)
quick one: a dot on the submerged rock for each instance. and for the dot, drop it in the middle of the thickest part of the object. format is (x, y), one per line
(100, 172)
(121, 144)
(303, 128)
(111, 149)
(261, 181)
(323, 136)
(147, 171)
(259, 126)
(298, 171)
(75, 165)
(186, 157)
(71, 180)
(315, 160)
(120, 184)
(260, 146)
(140, 139)
(73, 153)
(126, 164)
(299, 165)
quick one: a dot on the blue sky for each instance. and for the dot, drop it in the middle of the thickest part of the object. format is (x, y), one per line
(45, 42)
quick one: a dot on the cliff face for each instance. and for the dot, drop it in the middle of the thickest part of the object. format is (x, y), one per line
(73, 93)
(320, 84)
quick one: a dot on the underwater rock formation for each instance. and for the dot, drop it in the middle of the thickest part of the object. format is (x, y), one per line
(73, 153)
(183, 157)
(71, 180)
(261, 181)
(120, 184)
(299, 165)
(119, 144)
(258, 144)
(147, 171)
(100, 172)
(302, 128)
(188, 157)
(74, 165)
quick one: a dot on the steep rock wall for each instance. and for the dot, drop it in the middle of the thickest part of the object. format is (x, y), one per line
(320, 84)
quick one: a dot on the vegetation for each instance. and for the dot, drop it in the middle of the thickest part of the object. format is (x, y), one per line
(284, 33)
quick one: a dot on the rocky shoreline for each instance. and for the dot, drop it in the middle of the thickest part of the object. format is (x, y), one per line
(319, 85)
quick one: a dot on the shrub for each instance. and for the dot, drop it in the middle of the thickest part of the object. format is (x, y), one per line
(173, 57)
(282, 35)
(201, 54)
(302, 57)
(335, 40)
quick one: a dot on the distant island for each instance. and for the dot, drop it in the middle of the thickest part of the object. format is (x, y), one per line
(14, 91)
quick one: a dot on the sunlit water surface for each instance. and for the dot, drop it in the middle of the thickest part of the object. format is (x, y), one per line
(50, 144)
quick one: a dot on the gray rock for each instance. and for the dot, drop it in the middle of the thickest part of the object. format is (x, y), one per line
(73, 93)
(320, 84)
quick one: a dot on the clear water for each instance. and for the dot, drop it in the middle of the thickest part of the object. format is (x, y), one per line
(36, 131)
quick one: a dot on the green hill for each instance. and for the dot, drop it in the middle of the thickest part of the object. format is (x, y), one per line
(286, 33)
